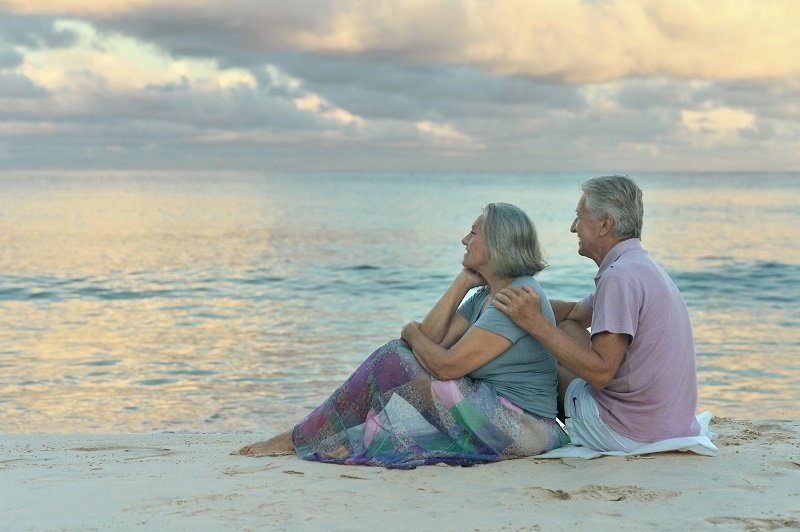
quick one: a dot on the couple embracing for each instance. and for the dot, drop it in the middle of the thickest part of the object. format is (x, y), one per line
(484, 378)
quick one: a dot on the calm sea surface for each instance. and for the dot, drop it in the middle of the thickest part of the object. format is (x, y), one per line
(140, 304)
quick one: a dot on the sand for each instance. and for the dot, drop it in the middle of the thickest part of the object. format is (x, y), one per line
(190, 482)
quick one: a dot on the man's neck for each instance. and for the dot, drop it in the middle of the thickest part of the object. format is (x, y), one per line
(606, 246)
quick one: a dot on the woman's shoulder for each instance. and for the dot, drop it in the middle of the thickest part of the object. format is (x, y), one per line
(529, 280)
(477, 295)
(481, 292)
(526, 280)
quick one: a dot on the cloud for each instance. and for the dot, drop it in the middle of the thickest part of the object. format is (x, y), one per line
(305, 100)
(120, 63)
(32, 31)
(774, 99)
(446, 134)
(78, 7)
(718, 122)
(13, 85)
(329, 84)
(9, 57)
(417, 93)
(101, 66)
(573, 41)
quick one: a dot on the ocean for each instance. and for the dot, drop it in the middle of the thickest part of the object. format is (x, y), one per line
(220, 303)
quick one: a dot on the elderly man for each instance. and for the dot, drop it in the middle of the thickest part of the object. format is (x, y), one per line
(631, 381)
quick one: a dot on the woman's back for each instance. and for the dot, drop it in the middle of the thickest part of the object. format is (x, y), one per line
(525, 374)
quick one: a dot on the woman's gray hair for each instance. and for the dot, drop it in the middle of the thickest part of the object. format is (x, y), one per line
(511, 241)
(618, 197)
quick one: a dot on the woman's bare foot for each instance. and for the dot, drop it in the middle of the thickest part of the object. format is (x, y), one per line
(279, 445)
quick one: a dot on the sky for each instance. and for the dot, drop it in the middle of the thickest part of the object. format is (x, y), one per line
(399, 85)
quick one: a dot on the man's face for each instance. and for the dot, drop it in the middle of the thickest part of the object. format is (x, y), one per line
(588, 230)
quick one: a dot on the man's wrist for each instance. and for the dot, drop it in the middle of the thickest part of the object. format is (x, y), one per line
(536, 325)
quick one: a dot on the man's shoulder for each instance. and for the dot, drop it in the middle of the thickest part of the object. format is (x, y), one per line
(633, 262)
(632, 274)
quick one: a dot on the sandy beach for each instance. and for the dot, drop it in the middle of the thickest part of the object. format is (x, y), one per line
(191, 482)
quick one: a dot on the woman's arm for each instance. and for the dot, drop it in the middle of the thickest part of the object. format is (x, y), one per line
(581, 314)
(442, 324)
(476, 348)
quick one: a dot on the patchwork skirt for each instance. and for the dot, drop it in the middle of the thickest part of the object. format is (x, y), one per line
(391, 412)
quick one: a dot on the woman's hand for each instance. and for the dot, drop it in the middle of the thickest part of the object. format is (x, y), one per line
(409, 331)
(471, 278)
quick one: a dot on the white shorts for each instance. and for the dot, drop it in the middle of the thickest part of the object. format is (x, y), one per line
(584, 424)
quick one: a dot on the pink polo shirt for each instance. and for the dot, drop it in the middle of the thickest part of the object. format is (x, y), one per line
(653, 396)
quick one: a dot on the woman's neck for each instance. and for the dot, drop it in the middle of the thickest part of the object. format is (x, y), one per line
(496, 283)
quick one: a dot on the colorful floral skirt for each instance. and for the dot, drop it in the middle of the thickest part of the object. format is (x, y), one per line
(391, 412)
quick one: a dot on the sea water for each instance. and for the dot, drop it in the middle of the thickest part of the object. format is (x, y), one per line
(140, 303)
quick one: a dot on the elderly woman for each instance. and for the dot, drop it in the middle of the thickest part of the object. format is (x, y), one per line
(465, 386)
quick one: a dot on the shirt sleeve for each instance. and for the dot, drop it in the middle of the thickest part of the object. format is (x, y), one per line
(615, 307)
(495, 321)
(467, 308)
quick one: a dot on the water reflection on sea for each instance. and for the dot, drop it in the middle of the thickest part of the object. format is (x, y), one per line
(237, 303)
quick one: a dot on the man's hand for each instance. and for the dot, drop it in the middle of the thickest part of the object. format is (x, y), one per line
(523, 306)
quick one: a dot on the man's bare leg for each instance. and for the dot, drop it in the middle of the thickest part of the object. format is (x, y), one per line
(276, 446)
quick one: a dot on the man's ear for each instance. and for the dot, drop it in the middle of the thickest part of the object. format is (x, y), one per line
(607, 225)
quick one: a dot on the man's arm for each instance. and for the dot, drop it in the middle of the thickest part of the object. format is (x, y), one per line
(596, 363)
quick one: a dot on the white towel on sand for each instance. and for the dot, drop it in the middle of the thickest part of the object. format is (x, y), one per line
(700, 444)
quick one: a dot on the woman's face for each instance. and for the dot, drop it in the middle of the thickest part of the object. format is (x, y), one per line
(476, 256)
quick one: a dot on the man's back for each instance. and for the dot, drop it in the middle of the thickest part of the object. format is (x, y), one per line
(653, 396)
